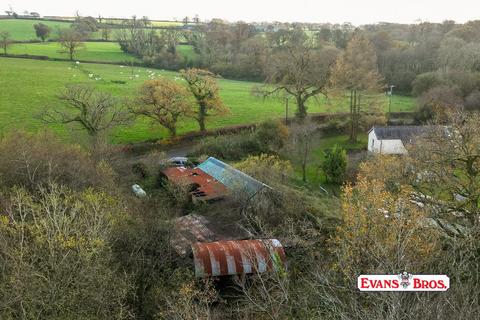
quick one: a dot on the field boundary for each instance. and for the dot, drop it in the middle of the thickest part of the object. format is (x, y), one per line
(47, 58)
(189, 137)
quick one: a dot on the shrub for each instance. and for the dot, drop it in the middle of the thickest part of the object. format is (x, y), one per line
(228, 147)
(57, 259)
(30, 160)
(271, 135)
(336, 125)
(424, 82)
(335, 164)
(472, 101)
(436, 102)
(266, 168)
(140, 170)
(118, 81)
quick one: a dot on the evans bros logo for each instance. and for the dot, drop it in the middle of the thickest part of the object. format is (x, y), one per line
(403, 282)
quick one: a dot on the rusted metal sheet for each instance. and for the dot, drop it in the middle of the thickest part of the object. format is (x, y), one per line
(190, 229)
(206, 187)
(194, 228)
(223, 258)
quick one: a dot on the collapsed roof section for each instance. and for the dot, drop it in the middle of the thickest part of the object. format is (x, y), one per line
(203, 186)
(213, 180)
(194, 228)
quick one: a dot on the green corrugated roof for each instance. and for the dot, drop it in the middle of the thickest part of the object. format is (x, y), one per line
(235, 180)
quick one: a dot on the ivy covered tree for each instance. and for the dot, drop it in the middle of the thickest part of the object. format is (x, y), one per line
(335, 164)
(205, 90)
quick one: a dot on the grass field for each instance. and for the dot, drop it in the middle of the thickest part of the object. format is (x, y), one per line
(29, 85)
(187, 50)
(22, 30)
(92, 51)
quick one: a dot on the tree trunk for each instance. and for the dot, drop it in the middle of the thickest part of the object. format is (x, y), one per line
(172, 131)
(304, 172)
(201, 116)
(352, 114)
(305, 157)
(357, 115)
(301, 108)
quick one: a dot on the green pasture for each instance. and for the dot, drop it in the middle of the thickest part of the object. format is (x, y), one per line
(22, 30)
(91, 51)
(27, 86)
(187, 51)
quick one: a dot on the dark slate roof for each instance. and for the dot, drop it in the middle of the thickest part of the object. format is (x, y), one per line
(404, 133)
(235, 180)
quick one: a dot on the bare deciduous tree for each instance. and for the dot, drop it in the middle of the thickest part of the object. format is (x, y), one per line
(106, 31)
(95, 112)
(300, 70)
(71, 41)
(5, 40)
(447, 163)
(302, 138)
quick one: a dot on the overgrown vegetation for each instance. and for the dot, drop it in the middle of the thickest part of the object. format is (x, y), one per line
(74, 237)
(76, 243)
(269, 137)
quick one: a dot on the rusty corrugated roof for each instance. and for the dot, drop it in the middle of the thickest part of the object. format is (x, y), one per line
(223, 258)
(209, 188)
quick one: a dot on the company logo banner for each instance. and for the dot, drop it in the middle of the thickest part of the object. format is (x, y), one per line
(403, 282)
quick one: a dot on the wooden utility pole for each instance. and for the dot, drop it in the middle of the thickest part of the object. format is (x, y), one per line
(286, 111)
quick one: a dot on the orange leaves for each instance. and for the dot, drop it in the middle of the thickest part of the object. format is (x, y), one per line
(382, 230)
(164, 102)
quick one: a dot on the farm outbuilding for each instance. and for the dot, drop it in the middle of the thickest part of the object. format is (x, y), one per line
(194, 228)
(224, 258)
(394, 139)
(234, 180)
(214, 180)
(223, 248)
(203, 186)
(216, 243)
